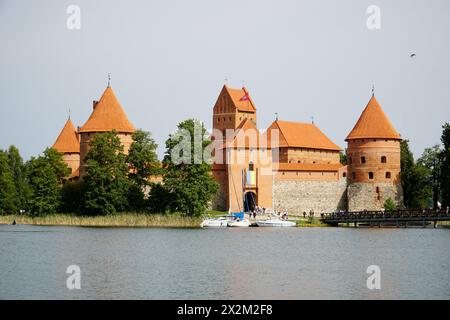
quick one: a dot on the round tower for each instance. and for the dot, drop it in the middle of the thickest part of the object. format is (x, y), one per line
(107, 115)
(373, 157)
(68, 144)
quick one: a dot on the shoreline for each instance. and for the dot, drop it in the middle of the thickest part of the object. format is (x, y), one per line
(124, 220)
(127, 220)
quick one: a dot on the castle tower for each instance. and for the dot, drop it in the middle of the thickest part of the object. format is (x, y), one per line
(231, 108)
(68, 144)
(107, 115)
(244, 180)
(373, 156)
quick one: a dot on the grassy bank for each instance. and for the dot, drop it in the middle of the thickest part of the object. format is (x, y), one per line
(118, 220)
(310, 223)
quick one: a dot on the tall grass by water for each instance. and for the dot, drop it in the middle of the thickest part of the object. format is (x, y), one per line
(117, 220)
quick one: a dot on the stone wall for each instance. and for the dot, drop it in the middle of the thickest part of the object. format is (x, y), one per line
(371, 196)
(300, 196)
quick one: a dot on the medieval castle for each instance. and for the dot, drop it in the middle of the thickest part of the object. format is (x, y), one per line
(291, 165)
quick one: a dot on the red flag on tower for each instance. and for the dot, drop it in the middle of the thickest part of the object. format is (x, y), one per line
(246, 97)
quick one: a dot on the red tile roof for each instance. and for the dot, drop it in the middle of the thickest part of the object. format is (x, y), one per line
(236, 95)
(108, 115)
(67, 141)
(301, 135)
(373, 123)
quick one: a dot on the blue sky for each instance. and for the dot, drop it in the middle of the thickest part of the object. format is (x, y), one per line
(168, 61)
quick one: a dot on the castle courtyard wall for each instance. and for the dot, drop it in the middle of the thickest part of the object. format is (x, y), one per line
(298, 196)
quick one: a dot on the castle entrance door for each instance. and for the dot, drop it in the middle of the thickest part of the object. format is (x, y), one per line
(249, 201)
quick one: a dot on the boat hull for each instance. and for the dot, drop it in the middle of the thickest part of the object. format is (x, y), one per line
(242, 223)
(275, 223)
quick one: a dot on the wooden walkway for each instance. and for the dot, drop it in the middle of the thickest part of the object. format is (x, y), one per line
(399, 218)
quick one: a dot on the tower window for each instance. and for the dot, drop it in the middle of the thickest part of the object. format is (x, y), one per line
(371, 175)
(344, 175)
(363, 159)
(353, 175)
(218, 119)
(350, 160)
(383, 159)
(388, 175)
(251, 166)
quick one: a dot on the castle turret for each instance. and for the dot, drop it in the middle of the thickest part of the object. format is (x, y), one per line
(373, 156)
(68, 144)
(107, 115)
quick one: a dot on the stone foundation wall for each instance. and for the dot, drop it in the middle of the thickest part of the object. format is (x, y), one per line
(300, 196)
(371, 196)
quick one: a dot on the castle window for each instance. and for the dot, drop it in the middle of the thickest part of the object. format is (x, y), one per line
(344, 174)
(383, 159)
(353, 175)
(230, 118)
(251, 166)
(299, 161)
(350, 160)
(388, 175)
(218, 119)
(363, 159)
(377, 190)
(371, 175)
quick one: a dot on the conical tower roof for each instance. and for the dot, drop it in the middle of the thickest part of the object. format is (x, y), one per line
(67, 141)
(373, 124)
(108, 115)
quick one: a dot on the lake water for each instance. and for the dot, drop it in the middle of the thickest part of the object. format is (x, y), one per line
(247, 263)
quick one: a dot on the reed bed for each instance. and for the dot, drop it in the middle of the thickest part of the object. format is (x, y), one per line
(117, 220)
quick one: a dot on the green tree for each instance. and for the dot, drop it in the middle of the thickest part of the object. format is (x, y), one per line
(431, 159)
(143, 164)
(72, 196)
(45, 186)
(8, 194)
(105, 183)
(18, 171)
(417, 190)
(142, 158)
(159, 200)
(389, 205)
(188, 176)
(445, 165)
(55, 160)
(343, 157)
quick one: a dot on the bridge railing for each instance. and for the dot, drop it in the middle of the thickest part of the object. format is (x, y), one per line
(402, 214)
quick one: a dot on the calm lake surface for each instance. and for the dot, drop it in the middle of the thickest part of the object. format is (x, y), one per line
(233, 263)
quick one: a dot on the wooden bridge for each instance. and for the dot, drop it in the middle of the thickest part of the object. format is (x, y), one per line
(399, 218)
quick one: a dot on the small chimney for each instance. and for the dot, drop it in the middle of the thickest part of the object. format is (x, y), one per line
(94, 104)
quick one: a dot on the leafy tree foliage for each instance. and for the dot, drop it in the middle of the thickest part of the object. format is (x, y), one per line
(17, 167)
(445, 165)
(431, 159)
(45, 175)
(142, 158)
(8, 194)
(417, 190)
(188, 177)
(389, 205)
(105, 183)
